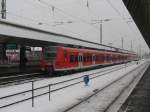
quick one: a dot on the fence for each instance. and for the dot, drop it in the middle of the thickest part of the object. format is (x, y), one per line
(49, 86)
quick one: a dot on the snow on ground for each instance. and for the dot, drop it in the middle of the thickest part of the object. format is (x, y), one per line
(27, 86)
(100, 101)
(123, 97)
(60, 99)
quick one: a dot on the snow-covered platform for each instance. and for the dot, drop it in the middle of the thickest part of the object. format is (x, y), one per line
(139, 100)
(65, 98)
(111, 98)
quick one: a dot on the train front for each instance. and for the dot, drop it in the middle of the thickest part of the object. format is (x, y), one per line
(48, 59)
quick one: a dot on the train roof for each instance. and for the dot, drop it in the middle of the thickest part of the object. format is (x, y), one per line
(95, 50)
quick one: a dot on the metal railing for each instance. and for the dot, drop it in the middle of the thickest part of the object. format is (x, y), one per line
(49, 86)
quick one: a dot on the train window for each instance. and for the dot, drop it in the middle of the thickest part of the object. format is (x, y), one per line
(72, 58)
(94, 57)
(84, 58)
(108, 58)
(50, 55)
(80, 58)
(51, 48)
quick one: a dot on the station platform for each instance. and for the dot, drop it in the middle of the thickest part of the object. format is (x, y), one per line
(139, 100)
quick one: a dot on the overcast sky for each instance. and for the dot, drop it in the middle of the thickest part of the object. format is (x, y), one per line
(75, 18)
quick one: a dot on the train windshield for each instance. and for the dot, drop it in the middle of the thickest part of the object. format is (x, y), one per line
(50, 53)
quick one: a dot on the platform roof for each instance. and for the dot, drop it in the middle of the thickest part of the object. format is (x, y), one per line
(140, 11)
(13, 32)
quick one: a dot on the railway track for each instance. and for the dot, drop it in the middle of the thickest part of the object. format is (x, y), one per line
(19, 79)
(16, 79)
(57, 86)
(77, 80)
(107, 86)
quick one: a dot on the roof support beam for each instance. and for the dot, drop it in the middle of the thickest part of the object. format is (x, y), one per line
(140, 11)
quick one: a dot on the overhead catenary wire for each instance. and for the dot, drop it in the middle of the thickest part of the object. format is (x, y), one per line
(66, 13)
(77, 19)
(88, 8)
(23, 17)
(43, 23)
(123, 18)
(109, 2)
(52, 6)
(115, 9)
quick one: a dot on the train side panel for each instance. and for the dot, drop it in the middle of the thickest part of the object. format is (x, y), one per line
(74, 58)
(67, 59)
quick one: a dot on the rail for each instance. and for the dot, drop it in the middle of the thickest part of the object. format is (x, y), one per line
(5, 80)
(33, 96)
(124, 89)
(98, 91)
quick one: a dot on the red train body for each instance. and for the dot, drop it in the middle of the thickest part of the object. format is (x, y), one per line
(58, 58)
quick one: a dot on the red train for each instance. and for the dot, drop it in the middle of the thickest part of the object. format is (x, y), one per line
(57, 58)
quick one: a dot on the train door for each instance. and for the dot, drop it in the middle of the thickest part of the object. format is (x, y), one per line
(93, 59)
(111, 58)
(80, 60)
(105, 58)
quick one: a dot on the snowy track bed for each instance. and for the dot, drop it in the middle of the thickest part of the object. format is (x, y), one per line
(111, 97)
(17, 79)
(64, 98)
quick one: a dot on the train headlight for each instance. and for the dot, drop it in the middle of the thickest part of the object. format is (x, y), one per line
(43, 69)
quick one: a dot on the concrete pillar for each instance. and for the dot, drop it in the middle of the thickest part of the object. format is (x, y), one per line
(23, 59)
(3, 52)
